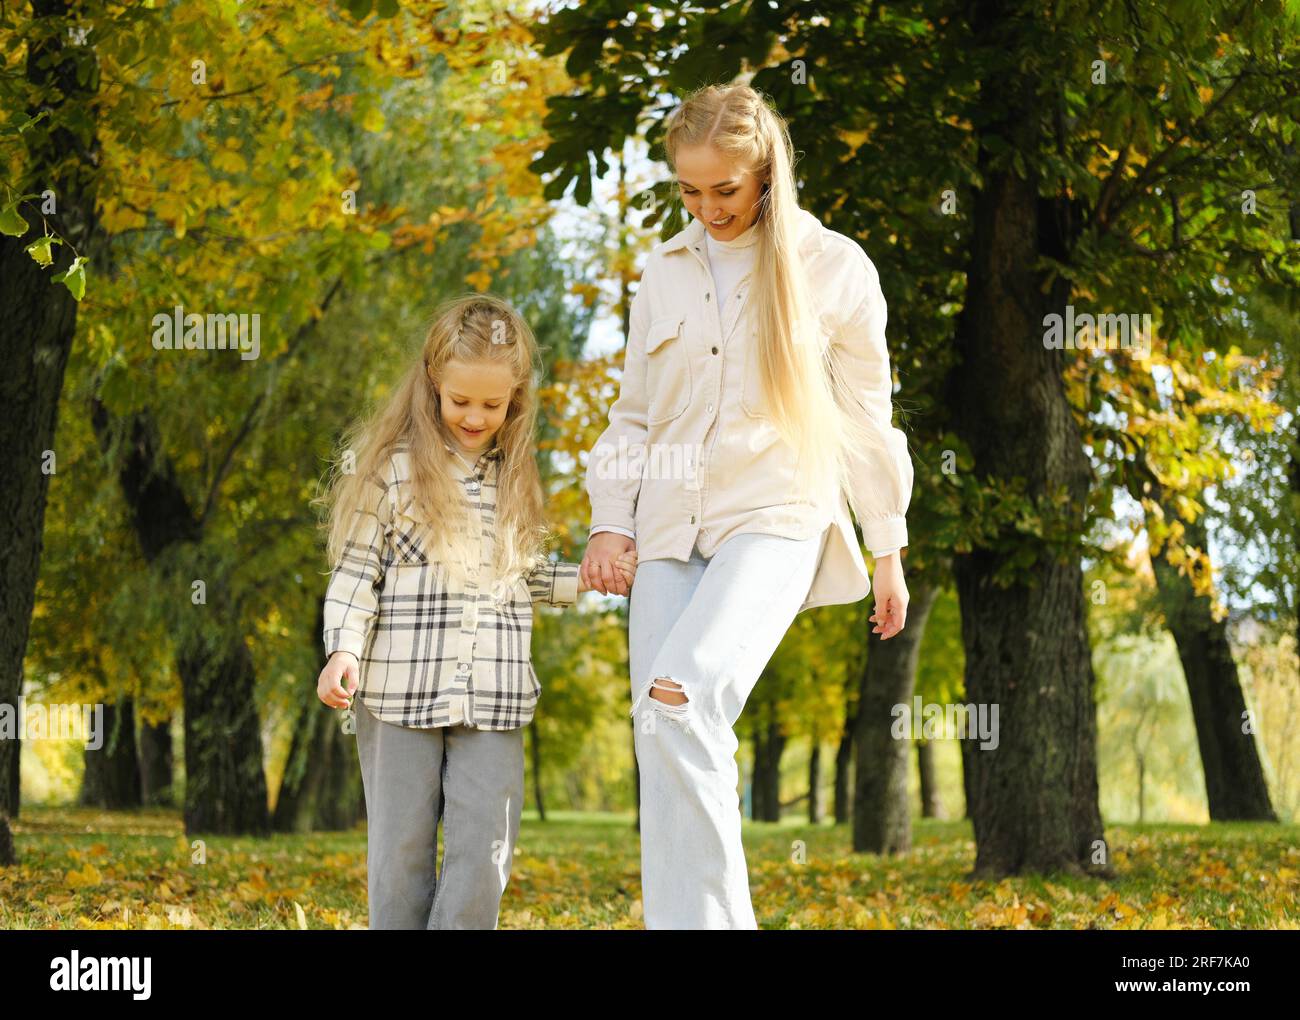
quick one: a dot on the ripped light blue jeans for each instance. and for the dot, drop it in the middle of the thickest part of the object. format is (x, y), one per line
(710, 626)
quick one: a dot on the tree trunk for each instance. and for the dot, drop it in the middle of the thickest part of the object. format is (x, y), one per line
(36, 334)
(1235, 786)
(843, 770)
(814, 782)
(156, 767)
(111, 779)
(225, 787)
(1033, 800)
(775, 747)
(931, 807)
(769, 746)
(882, 817)
(321, 790)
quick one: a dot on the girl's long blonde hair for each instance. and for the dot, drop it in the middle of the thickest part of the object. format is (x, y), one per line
(472, 329)
(804, 389)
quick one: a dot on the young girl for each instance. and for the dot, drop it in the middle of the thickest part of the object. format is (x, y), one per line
(757, 340)
(437, 534)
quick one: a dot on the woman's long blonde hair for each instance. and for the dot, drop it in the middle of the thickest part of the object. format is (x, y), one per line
(472, 329)
(804, 389)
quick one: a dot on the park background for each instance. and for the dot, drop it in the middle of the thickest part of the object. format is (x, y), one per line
(1122, 530)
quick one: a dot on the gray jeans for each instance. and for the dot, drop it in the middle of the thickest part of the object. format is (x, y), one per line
(471, 779)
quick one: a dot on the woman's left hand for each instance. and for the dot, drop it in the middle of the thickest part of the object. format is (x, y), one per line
(890, 611)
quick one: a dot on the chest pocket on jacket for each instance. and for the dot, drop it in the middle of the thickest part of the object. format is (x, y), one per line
(667, 369)
(752, 397)
(408, 534)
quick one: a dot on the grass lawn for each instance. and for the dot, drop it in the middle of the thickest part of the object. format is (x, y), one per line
(92, 869)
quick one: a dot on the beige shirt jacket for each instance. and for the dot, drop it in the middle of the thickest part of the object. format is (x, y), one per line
(689, 454)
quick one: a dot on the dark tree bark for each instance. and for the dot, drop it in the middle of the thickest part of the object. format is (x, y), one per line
(769, 746)
(1033, 800)
(1235, 786)
(36, 333)
(844, 751)
(321, 790)
(757, 788)
(843, 769)
(157, 775)
(965, 789)
(814, 783)
(225, 787)
(112, 774)
(931, 805)
(882, 817)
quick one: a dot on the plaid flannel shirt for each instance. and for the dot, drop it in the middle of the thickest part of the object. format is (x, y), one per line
(433, 653)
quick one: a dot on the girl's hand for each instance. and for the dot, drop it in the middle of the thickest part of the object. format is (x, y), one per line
(328, 688)
(626, 564)
(890, 611)
(600, 570)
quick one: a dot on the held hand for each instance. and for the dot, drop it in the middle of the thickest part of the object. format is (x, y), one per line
(890, 611)
(626, 564)
(600, 570)
(328, 688)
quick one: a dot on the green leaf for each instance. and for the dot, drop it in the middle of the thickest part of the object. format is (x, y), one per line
(40, 249)
(386, 8)
(74, 278)
(11, 222)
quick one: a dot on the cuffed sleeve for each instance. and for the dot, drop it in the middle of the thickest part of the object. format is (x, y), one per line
(877, 553)
(351, 598)
(554, 582)
(609, 527)
(615, 463)
(881, 475)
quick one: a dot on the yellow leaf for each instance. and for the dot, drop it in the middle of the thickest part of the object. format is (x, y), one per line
(88, 875)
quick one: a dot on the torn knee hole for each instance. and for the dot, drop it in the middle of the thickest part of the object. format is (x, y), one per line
(667, 691)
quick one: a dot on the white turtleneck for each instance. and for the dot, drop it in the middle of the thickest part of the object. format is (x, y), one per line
(730, 261)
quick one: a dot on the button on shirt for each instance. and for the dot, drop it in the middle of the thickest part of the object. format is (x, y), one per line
(434, 652)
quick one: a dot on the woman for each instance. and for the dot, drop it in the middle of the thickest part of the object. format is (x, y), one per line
(755, 395)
